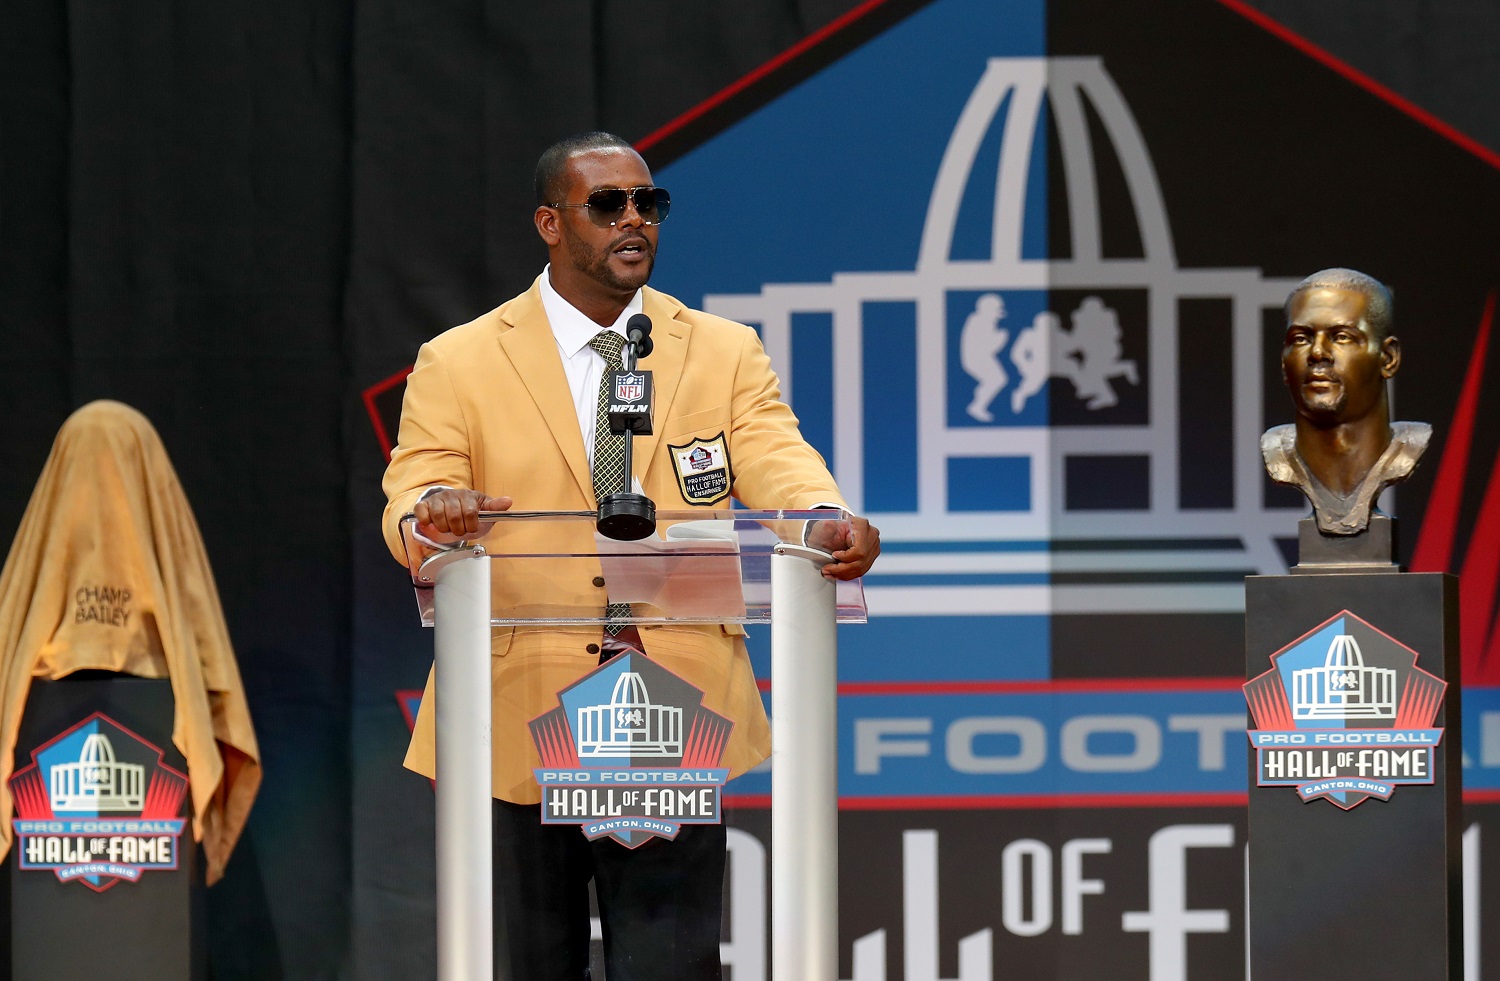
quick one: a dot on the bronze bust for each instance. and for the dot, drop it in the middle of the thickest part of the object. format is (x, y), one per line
(1336, 358)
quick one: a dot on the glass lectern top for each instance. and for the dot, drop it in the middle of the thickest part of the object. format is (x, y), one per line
(701, 566)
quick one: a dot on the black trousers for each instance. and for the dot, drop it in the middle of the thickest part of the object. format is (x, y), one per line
(661, 904)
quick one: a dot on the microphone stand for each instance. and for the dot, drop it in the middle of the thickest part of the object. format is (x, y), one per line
(625, 515)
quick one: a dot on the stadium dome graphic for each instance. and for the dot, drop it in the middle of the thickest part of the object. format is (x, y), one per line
(993, 336)
(629, 725)
(96, 784)
(1344, 688)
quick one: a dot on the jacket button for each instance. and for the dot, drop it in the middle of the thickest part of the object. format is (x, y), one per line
(592, 648)
(598, 580)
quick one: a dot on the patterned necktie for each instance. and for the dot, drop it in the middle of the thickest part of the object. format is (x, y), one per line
(609, 449)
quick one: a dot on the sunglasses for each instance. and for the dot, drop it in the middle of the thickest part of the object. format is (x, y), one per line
(607, 205)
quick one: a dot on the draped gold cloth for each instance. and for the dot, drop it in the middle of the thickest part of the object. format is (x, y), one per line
(108, 572)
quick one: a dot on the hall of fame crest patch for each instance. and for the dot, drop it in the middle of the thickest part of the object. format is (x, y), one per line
(702, 469)
(1358, 721)
(632, 753)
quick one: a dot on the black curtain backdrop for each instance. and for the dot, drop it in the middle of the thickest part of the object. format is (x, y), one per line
(1438, 55)
(174, 220)
(239, 217)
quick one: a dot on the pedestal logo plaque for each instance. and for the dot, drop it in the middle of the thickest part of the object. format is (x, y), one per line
(1345, 714)
(97, 805)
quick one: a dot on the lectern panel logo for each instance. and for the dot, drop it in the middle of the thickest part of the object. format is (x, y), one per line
(630, 752)
(702, 469)
(1345, 714)
(97, 805)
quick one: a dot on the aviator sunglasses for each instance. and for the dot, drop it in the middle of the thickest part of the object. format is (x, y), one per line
(607, 205)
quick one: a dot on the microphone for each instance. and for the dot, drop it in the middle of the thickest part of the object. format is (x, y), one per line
(638, 333)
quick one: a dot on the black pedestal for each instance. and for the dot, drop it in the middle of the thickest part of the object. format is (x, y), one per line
(1372, 891)
(92, 889)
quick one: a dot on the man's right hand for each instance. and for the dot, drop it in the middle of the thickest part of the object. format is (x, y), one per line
(452, 515)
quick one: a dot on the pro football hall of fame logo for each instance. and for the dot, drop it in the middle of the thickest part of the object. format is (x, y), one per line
(631, 752)
(97, 805)
(1358, 722)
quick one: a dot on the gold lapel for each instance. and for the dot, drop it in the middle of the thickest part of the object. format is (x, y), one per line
(533, 350)
(670, 337)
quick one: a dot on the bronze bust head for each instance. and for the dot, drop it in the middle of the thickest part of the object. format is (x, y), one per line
(1337, 355)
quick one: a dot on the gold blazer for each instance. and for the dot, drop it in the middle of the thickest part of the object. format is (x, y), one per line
(487, 407)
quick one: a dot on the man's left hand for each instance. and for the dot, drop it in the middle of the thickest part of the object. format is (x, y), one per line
(854, 544)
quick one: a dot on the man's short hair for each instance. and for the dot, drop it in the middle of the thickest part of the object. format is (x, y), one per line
(1377, 296)
(553, 163)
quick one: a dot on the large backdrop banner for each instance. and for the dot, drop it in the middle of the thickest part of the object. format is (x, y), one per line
(1020, 265)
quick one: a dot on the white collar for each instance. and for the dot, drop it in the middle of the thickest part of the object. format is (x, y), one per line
(572, 329)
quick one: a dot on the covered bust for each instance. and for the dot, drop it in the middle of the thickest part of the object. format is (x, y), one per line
(109, 519)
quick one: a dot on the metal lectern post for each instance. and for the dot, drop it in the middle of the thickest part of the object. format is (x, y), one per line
(804, 770)
(461, 641)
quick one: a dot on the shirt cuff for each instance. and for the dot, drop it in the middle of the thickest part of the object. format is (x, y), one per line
(807, 525)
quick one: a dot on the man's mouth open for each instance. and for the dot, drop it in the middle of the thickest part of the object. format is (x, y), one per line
(633, 249)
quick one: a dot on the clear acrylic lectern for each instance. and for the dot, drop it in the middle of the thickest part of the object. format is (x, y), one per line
(701, 566)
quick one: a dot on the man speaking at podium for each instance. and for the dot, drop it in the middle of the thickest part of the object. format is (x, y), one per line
(503, 412)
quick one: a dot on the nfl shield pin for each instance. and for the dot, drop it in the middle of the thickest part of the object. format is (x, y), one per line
(629, 387)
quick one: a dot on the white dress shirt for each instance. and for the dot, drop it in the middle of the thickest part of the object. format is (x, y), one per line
(583, 366)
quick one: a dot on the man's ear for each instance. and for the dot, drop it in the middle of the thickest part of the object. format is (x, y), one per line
(1390, 357)
(547, 226)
